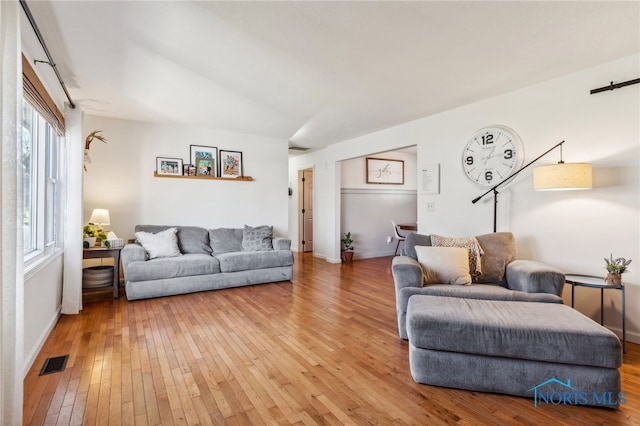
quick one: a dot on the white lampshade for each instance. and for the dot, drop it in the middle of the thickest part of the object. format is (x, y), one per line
(100, 217)
(562, 176)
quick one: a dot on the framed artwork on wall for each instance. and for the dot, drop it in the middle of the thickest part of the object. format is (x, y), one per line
(230, 164)
(385, 171)
(204, 152)
(169, 166)
(431, 179)
(205, 167)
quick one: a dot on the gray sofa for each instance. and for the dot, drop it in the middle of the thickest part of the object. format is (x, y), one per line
(503, 276)
(208, 260)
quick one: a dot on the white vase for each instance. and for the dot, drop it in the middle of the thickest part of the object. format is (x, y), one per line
(91, 241)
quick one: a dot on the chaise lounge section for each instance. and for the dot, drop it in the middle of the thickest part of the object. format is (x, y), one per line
(544, 351)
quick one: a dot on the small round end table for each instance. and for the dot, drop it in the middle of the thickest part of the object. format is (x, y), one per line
(578, 280)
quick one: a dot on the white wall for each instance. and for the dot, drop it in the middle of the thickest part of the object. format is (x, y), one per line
(573, 231)
(42, 300)
(368, 209)
(120, 178)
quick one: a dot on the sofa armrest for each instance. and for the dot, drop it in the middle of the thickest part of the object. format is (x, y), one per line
(281, 243)
(132, 253)
(407, 279)
(406, 272)
(534, 277)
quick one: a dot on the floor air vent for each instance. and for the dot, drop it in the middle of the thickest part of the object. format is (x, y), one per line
(54, 365)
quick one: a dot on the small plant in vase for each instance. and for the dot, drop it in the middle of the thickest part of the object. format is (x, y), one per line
(347, 242)
(615, 268)
(92, 233)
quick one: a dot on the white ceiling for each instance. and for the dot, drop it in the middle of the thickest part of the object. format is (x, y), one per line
(316, 73)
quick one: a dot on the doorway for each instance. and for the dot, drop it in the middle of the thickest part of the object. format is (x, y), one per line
(305, 210)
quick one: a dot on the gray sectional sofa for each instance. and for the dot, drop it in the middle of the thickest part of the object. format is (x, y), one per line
(207, 260)
(503, 276)
(505, 330)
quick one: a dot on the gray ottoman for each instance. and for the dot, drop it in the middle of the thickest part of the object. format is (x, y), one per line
(546, 351)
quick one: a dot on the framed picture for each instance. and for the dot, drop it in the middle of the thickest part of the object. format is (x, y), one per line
(169, 166)
(230, 163)
(205, 166)
(431, 178)
(381, 170)
(210, 152)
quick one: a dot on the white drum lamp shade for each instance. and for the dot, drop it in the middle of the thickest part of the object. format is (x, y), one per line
(562, 177)
(100, 217)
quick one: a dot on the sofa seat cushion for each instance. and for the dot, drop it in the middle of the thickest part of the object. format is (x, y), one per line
(531, 331)
(487, 292)
(173, 267)
(249, 260)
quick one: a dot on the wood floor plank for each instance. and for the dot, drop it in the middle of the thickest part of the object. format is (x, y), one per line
(321, 349)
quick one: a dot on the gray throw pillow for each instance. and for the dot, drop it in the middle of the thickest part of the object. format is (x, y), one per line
(225, 240)
(193, 239)
(258, 238)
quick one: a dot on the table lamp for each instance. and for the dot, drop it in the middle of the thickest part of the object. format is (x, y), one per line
(100, 217)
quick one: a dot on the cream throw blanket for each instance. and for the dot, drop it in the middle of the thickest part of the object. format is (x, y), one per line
(471, 243)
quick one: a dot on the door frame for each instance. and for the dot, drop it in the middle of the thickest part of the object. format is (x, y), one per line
(301, 206)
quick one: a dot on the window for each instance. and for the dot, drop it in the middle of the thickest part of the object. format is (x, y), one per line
(40, 156)
(42, 131)
(29, 169)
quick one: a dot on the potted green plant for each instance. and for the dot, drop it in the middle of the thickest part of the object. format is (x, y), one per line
(615, 268)
(347, 242)
(92, 233)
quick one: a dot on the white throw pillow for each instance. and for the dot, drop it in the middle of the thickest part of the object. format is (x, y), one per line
(162, 244)
(444, 265)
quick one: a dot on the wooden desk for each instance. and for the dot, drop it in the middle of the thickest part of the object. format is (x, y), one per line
(408, 226)
(101, 253)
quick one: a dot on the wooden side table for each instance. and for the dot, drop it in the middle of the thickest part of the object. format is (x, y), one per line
(102, 253)
(577, 280)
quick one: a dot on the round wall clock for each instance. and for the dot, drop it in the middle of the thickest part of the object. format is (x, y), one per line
(491, 155)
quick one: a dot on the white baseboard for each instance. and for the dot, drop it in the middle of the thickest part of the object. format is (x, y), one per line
(632, 337)
(370, 255)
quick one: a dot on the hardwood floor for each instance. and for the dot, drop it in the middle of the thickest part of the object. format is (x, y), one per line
(322, 349)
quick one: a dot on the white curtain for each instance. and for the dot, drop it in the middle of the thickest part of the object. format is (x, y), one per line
(74, 155)
(12, 271)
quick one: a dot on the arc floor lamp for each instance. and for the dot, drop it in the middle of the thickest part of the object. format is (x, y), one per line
(556, 177)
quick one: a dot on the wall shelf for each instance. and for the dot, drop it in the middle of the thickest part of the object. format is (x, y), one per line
(239, 178)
